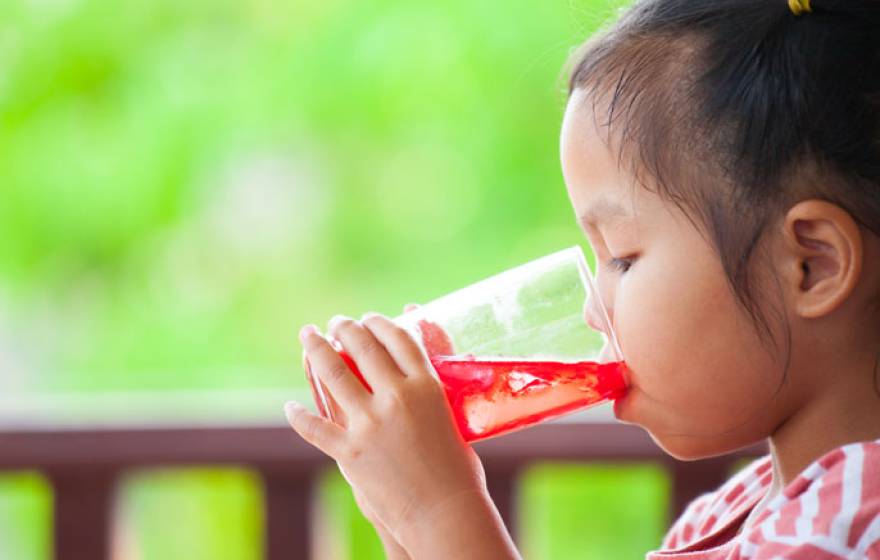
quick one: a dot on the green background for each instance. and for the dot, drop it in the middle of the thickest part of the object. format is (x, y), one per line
(185, 183)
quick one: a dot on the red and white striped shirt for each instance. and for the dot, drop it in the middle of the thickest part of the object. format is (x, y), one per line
(831, 510)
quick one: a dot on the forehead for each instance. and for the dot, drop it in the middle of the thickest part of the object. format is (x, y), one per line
(603, 192)
(599, 188)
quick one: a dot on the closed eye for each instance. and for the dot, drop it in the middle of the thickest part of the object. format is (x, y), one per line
(620, 265)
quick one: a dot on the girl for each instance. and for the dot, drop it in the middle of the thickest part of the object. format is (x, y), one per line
(723, 158)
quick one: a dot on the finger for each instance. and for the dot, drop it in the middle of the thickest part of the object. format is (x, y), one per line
(371, 357)
(318, 392)
(400, 345)
(321, 433)
(324, 401)
(330, 368)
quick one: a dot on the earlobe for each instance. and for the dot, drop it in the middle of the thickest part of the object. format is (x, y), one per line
(824, 245)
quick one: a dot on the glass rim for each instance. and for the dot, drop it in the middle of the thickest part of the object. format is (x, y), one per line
(592, 290)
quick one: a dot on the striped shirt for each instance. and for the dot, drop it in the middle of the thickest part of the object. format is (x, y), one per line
(831, 510)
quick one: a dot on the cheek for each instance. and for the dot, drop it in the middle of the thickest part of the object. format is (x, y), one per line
(694, 357)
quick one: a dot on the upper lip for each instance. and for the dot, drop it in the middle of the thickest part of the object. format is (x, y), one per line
(594, 325)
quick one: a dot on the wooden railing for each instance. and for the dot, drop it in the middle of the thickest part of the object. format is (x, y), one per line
(83, 466)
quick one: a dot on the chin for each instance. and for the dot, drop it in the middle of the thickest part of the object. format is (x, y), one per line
(674, 442)
(685, 448)
(694, 448)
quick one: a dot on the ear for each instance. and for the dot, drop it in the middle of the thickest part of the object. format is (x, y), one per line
(823, 254)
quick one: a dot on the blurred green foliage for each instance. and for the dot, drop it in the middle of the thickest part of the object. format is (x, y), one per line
(25, 516)
(593, 512)
(194, 513)
(184, 184)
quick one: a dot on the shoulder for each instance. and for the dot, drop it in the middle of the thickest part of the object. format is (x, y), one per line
(831, 510)
(712, 510)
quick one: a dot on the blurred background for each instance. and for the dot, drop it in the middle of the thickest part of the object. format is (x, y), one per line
(183, 184)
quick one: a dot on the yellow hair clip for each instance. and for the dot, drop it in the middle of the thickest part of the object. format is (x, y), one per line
(799, 7)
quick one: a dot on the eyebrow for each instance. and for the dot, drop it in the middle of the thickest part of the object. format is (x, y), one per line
(603, 210)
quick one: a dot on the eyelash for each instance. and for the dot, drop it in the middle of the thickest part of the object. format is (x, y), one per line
(620, 265)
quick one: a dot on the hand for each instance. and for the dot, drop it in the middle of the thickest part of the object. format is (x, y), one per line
(398, 448)
(433, 341)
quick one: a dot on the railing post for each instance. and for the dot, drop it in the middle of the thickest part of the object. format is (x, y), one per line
(503, 485)
(288, 506)
(83, 500)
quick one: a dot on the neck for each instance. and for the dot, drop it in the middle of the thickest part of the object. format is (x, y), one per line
(844, 411)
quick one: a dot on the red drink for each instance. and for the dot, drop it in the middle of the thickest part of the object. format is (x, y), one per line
(491, 396)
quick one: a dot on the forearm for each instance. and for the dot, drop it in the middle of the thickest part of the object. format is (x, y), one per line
(466, 526)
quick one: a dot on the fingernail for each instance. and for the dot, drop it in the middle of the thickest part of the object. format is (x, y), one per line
(306, 331)
(369, 315)
(292, 408)
(336, 319)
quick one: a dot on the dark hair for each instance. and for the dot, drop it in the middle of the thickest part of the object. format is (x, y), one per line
(735, 109)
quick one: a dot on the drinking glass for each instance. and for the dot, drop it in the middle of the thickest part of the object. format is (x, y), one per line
(526, 345)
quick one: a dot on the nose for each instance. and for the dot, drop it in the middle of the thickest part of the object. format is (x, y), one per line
(596, 319)
(593, 314)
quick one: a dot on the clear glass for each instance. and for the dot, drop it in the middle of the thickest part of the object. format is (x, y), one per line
(516, 349)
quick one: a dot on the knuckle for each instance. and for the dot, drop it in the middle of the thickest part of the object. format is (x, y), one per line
(400, 335)
(351, 453)
(427, 384)
(398, 400)
(369, 422)
(397, 396)
(370, 347)
(337, 372)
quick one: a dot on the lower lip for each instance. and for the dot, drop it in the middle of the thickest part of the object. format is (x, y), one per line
(619, 404)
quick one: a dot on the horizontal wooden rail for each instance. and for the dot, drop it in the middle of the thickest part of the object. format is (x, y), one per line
(83, 465)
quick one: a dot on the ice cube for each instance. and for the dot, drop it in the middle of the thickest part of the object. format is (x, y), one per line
(520, 380)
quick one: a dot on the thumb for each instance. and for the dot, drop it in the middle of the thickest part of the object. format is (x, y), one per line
(323, 434)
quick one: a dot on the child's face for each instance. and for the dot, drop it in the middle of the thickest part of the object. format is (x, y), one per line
(702, 382)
